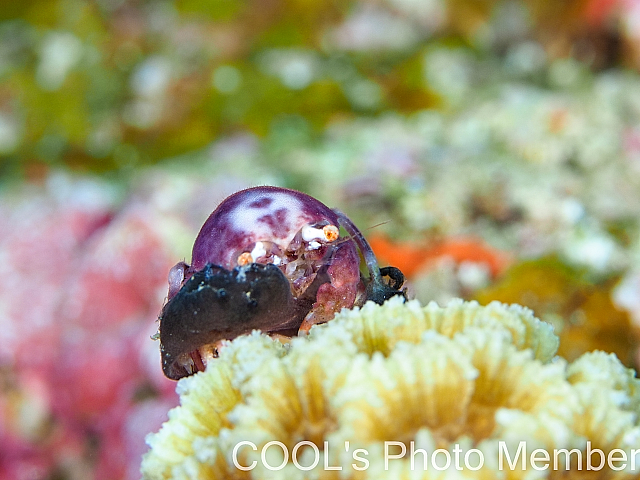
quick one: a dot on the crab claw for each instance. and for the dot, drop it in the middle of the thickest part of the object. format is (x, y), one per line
(216, 304)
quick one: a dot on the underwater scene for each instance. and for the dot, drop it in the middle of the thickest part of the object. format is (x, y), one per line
(370, 239)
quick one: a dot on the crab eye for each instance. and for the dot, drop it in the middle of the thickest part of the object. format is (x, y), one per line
(261, 252)
(326, 233)
(245, 258)
(331, 233)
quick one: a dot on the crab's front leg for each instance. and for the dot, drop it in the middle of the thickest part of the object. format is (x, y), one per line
(177, 277)
(346, 288)
(343, 289)
(378, 289)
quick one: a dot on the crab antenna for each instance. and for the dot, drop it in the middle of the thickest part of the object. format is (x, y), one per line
(363, 245)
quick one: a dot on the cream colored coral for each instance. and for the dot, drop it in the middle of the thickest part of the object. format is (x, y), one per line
(459, 376)
(375, 329)
(186, 447)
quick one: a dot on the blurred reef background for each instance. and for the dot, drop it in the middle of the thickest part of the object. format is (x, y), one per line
(491, 150)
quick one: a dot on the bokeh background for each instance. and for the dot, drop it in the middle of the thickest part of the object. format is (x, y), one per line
(491, 150)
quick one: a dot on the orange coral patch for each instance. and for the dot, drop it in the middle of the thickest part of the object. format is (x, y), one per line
(411, 257)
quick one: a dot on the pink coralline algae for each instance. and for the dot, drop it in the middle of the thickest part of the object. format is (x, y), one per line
(83, 275)
(78, 295)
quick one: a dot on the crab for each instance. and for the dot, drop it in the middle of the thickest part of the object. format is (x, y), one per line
(269, 259)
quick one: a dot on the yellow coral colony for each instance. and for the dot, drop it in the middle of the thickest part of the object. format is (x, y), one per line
(385, 391)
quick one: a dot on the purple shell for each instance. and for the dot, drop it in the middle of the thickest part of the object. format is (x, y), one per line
(255, 214)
